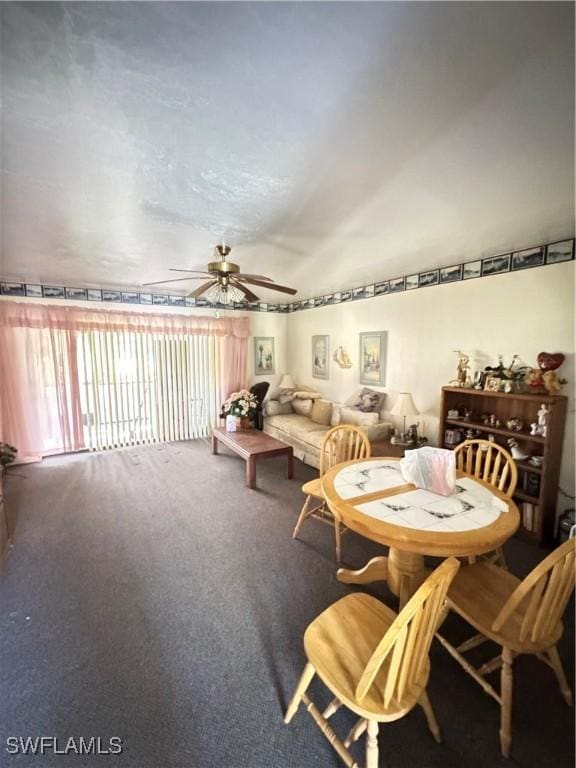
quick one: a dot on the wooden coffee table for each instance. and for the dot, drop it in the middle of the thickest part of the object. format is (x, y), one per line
(251, 445)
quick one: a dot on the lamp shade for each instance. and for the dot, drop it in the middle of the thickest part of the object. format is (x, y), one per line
(287, 382)
(404, 405)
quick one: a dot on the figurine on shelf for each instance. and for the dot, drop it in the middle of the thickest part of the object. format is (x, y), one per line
(543, 419)
(552, 384)
(534, 380)
(467, 414)
(543, 415)
(548, 361)
(544, 378)
(471, 434)
(540, 427)
(517, 454)
(462, 371)
(453, 413)
(478, 380)
(514, 425)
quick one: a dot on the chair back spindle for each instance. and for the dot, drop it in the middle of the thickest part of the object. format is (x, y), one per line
(407, 641)
(488, 461)
(343, 443)
(542, 596)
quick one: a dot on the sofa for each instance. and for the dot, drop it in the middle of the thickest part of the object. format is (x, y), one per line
(302, 417)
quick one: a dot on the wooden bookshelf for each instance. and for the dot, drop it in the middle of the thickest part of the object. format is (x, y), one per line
(537, 488)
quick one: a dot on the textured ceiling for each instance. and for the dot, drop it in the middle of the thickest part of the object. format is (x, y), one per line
(329, 143)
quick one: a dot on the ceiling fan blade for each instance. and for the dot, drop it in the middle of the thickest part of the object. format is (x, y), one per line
(174, 280)
(192, 271)
(255, 277)
(199, 291)
(246, 291)
(270, 286)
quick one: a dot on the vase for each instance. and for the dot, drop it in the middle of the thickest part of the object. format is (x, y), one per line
(232, 423)
(245, 423)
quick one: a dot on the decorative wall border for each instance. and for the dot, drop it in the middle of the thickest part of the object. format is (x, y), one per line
(528, 258)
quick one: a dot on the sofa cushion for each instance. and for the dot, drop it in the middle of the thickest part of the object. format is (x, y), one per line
(301, 427)
(321, 412)
(307, 446)
(307, 394)
(358, 418)
(274, 407)
(302, 407)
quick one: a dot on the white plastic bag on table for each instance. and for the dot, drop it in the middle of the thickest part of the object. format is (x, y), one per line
(431, 468)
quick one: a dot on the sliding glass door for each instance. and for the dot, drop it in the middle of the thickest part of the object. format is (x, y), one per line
(145, 387)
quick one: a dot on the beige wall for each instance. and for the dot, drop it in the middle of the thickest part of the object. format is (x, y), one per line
(516, 313)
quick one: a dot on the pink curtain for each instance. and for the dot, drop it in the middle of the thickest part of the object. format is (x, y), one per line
(233, 357)
(40, 401)
(39, 388)
(26, 315)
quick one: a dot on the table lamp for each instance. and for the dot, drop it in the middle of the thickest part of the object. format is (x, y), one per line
(404, 406)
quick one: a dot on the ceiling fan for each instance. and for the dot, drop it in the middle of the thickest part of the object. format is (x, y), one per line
(225, 284)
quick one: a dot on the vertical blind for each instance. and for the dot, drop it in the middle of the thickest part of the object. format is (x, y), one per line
(145, 387)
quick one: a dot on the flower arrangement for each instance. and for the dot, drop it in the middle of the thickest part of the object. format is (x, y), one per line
(242, 403)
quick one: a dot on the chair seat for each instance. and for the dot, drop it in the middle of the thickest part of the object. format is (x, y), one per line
(339, 653)
(479, 591)
(313, 488)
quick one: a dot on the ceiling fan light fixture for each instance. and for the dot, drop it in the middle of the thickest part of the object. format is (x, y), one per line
(224, 294)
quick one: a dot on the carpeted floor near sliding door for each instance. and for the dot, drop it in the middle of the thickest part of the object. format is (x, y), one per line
(151, 596)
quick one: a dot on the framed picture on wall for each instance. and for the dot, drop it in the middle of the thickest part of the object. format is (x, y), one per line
(411, 282)
(533, 257)
(495, 265)
(562, 251)
(320, 356)
(472, 269)
(373, 358)
(451, 274)
(264, 363)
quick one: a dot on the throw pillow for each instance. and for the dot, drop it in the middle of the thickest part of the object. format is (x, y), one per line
(368, 402)
(336, 409)
(358, 418)
(274, 408)
(366, 398)
(302, 407)
(307, 394)
(321, 412)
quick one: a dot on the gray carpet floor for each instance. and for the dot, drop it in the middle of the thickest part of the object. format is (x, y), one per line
(151, 596)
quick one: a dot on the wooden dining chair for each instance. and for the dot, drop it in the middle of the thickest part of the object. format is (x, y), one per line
(374, 661)
(490, 462)
(341, 443)
(520, 616)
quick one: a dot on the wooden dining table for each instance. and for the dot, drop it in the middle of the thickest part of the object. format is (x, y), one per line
(371, 497)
